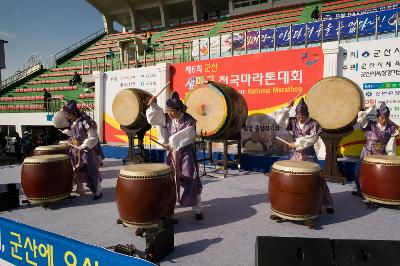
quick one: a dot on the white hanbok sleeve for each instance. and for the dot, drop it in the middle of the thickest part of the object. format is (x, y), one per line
(93, 137)
(362, 118)
(281, 117)
(391, 145)
(155, 115)
(304, 142)
(182, 138)
(67, 132)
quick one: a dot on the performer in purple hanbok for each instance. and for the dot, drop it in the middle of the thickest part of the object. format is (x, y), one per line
(380, 136)
(177, 132)
(84, 152)
(305, 131)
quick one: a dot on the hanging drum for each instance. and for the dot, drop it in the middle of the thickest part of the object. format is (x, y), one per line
(51, 149)
(129, 108)
(219, 109)
(380, 180)
(145, 194)
(46, 178)
(295, 189)
(335, 102)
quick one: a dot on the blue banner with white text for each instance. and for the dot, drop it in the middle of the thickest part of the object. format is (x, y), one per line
(21, 244)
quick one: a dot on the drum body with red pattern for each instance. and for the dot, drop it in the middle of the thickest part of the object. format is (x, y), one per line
(46, 178)
(380, 179)
(145, 194)
(295, 189)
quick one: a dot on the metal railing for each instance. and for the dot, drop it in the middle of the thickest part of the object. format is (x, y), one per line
(79, 44)
(190, 51)
(30, 66)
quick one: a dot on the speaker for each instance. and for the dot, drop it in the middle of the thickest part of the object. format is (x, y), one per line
(9, 196)
(292, 251)
(366, 252)
(159, 242)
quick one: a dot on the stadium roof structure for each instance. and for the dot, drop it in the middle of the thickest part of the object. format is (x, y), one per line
(138, 14)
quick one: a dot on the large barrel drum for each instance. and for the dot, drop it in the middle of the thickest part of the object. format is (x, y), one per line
(129, 107)
(46, 178)
(145, 194)
(296, 189)
(380, 179)
(51, 149)
(219, 109)
(335, 102)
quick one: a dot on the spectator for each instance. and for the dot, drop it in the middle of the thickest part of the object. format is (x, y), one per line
(75, 79)
(110, 54)
(3, 143)
(43, 138)
(27, 143)
(17, 147)
(148, 38)
(315, 14)
(205, 15)
(47, 99)
(217, 12)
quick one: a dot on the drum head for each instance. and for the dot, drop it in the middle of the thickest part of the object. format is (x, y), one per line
(126, 107)
(51, 147)
(334, 102)
(208, 106)
(63, 142)
(145, 170)
(382, 159)
(291, 166)
(46, 158)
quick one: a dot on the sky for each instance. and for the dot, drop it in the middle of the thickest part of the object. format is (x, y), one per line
(43, 26)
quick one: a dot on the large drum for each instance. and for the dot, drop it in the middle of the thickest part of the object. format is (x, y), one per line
(51, 149)
(46, 178)
(220, 110)
(380, 179)
(296, 189)
(145, 194)
(129, 107)
(335, 102)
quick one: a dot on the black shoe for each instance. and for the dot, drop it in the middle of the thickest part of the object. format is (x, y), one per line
(174, 221)
(330, 210)
(354, 193)
(199, 216)
(96, 197)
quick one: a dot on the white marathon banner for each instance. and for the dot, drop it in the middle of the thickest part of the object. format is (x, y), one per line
(151, 79)
(375, 67)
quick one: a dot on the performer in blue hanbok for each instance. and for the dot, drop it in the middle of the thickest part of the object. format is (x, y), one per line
(380, 136)
(178, 132)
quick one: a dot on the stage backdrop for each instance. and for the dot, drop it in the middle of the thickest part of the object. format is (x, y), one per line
(150, 79)
(375, 67)
(268, 81)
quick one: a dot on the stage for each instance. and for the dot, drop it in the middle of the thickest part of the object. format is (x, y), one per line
(236, 210)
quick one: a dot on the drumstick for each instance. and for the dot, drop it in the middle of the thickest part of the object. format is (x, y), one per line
(163, 89)
(284, 141)
(76, 147)
(159, 143)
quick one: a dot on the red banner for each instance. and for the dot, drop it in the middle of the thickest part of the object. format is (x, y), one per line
(265, 80)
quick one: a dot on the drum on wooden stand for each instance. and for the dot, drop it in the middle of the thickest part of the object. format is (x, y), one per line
(46, 178)
(334, 102)
(296, 189)
(219, 109)
(380, 179)
(129, 107)
(51, 149)
(145, 194)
